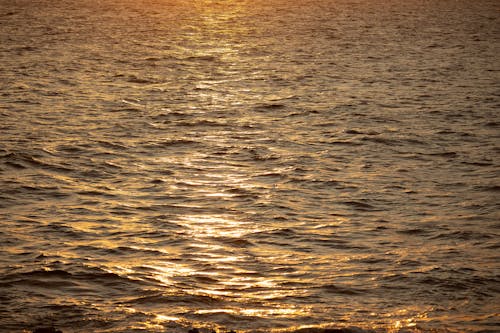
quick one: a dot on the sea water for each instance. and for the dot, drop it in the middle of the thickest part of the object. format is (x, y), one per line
(249, 165)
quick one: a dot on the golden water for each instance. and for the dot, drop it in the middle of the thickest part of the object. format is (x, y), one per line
(249, 165)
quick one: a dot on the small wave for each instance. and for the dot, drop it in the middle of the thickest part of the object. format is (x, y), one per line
(62, 230)
(171, 114)
(349, 329)
(242, 193)
(317, 183)
(353, 131)
(359, 205)
(141, 80)
(72, 149)
(94, 193)
(491, 188)
(112, 145)
(270, 176)
(337, 243)
(26, 161)
(448, 154)
(175, 300)
(479, 164)
(343, 290)
(492, 124)
(413, 231)
(234, 242)
(208, 58)
(201, 123)
(344, 143)
(127, 250)
(381, 140)
(173, 142)
(41, 273)
(282, 232)
(463, 235)
(26, 48)
(270, 106)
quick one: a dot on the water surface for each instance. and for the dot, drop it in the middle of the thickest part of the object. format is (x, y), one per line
(249, 165)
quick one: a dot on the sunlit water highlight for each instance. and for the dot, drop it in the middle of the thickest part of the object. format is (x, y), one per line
(249, 165)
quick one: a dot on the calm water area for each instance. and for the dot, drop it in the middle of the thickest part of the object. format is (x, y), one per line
(260, 166)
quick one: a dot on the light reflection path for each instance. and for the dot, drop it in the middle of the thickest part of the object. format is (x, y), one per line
(220, 255)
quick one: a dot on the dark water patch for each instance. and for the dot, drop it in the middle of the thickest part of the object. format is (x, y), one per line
(492, 124)
(359, 205)
(372, 260)
(204, 279)
(258, 154)
(95, 193)
(234, 241)
(26, 48)
(446, 132)
(43, 191)
(409, 263)
(157, 181)
(270, 106)
(111, 145)
(334, 242)
(73, 150)
(489, 188)
(414, 231)
(173, 143)
(21, 160)
(243, 193)
(172, 116)
(24, 102)
(349, 329)
(46, 329)
(449, 154)
(15, 165)
(163, 222)
(202, 123)
(449, 283)
(129, 109)
(464, 235)
(57, 229)
(164, 172)
(343, 143)
(353, 132)
(95, 174)
(280, 233)
(136, 251)
(400, 279)
(382, 140)
(478, 164)
(8, 14)
(203, 58)
(343, 290)
(111, 280)
(175, 300)
(326, 124)
(27, 276)
(141, 80)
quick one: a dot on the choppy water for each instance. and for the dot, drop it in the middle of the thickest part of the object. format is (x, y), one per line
(249, 165)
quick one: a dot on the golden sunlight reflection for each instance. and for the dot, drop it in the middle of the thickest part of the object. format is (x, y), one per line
(274, 312)
(166, 271)
(406, 318)
(203, 226)
(162, 318)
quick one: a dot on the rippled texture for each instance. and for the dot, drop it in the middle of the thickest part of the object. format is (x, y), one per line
(249, 165)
